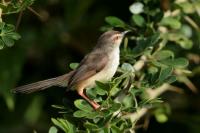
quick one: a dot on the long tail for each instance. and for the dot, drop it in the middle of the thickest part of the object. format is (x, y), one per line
(44, 84)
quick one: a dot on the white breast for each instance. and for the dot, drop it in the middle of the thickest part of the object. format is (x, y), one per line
(109, 70)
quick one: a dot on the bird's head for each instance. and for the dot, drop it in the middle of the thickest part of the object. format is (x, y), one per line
(111, 38)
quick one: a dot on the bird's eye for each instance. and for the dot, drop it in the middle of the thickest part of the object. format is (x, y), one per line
(116, 38)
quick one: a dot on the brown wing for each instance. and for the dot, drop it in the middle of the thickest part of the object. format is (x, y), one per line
(89, 66)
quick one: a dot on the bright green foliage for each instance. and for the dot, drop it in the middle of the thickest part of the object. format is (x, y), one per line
(53, 130)
(138, 20)
(153, 31)
(73, 65)
(171, 22)
(114, 21)
(15, 6)
(64, 125)
(7, 35)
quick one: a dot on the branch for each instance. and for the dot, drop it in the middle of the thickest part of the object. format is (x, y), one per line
(140, 64)
(0, 15)
(192, 23)
(42, 18)
(152, 93)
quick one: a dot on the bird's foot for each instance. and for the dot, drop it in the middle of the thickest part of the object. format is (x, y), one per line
(93, 103)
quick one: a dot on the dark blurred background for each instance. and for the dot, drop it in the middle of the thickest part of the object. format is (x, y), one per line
(67, 30)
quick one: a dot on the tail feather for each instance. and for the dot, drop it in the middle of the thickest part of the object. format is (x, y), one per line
(44, 84)
(40, 85)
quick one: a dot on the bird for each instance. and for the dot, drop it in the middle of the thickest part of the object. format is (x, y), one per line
(98, 65)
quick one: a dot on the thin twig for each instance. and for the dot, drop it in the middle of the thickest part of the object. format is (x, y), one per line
(135, 116)
(0, 15)
(146, 122)
(196, 7)
(182, 78)
(192, 23)
(3, 2)
(140, 64)
(176, 89)
(190, 85)
(36, 13)
(19, 20)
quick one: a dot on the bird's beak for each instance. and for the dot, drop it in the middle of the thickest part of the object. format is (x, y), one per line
(125, 32)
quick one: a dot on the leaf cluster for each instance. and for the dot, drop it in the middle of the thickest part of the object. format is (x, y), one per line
(148, 62)
(8, 35)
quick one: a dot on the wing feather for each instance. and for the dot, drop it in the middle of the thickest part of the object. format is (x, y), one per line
(89, 66)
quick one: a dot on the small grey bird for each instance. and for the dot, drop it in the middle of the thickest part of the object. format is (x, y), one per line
(99, 65)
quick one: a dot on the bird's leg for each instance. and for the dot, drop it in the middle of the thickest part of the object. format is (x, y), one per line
(93, 103)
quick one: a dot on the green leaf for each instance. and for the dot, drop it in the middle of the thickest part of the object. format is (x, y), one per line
(178, 62)
(73, 65)
(8, 41)
(93, 115)
(8, 35)
(91, 93)
(135, 91)
(53, 129)
(80, 114)
(114, 90)
(180, 39)
(103, 86)
(165, 73)
(115, 107)
(152, 70)
(186, 30)
(158, 63)
(115, 129)
(127, 67)
(89, 115)
(171, 22)
(105, 130)
(138, 20)
(83, 105)
(145, 43)
(100, 91)
(115, 22)
(90, 126)
(153, 79)
(1, 44)
(2, 24)
(10, 102)
(64, 125)
(171, 79)
(187, 7)
(8, 28)
(185, 43)
(14, 35)
(163, 54)
(128, 101)
(161, 117)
